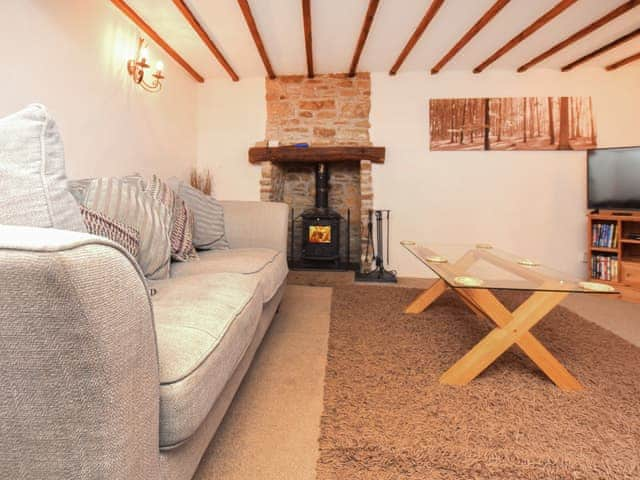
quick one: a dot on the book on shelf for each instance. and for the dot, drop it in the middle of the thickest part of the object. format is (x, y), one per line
(604, 267)
(604, 235)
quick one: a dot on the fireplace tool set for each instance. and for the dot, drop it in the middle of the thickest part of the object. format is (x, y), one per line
(379, 273)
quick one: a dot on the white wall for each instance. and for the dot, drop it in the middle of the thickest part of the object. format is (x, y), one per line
(71, 56)
(533, 203)
(231, 118)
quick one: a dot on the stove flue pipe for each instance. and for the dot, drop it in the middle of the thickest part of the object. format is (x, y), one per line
(322, 185)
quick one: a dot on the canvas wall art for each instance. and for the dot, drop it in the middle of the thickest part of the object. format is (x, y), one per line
(514, 123)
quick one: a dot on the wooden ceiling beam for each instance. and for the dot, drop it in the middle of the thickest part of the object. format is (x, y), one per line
(257, 39)
(472, 32)
(527, 32)
(612, 15)
(188, 15)
(623, 62)
(422, 26)
(146, 28)
(596, 53)
(364, 33)
(308, 38)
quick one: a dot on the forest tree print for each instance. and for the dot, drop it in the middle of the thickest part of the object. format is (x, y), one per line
(527, 123)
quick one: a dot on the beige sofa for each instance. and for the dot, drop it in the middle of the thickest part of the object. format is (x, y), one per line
(99, 380)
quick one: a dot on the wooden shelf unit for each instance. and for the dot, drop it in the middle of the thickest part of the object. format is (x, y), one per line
(626, 250)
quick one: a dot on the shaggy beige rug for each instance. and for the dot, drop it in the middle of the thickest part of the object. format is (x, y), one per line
(386, 416)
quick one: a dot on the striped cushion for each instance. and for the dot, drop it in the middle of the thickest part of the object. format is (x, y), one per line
(208, 232)
(125, 202)
(99, 224)
(182, 220)
(79, 187)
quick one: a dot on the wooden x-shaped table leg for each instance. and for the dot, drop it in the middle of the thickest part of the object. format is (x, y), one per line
(512, 328)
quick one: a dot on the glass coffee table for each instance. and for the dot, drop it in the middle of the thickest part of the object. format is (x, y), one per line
(472, 272)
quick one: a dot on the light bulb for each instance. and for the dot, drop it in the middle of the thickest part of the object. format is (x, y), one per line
(159, 66)
(144, 53)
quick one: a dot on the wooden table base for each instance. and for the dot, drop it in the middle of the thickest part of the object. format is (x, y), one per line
(511, 328)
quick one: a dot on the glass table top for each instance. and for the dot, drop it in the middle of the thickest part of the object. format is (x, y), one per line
(483, 266)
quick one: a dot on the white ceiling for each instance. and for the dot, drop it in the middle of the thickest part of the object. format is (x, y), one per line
(336, 25)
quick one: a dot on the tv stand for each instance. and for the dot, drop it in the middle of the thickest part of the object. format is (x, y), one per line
(616, 253)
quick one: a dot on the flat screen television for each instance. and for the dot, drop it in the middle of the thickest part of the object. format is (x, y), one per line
(613, 178)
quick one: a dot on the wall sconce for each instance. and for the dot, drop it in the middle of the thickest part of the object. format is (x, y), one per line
(136, 68)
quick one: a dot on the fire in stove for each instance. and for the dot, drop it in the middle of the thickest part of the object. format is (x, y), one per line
(319, 234)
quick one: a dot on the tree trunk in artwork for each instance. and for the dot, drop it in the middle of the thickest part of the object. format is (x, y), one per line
(538, 117)
(552, 134)
(532, 123)
(487, 119)
(591, 124)
(452, 119)
(563, 135)
(472, 114)
(524, 120)
(578, 102)
(572, 118)
(499, 124)
(464, 112)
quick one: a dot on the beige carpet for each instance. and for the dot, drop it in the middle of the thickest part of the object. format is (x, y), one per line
(387, 416)
(271, 429)
(271, 432)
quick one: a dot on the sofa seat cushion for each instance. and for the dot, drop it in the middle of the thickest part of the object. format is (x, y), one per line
(204, 324)
(268, 265)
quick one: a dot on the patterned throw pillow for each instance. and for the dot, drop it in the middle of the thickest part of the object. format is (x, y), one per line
(182, 220)
(208, 232)
(127, 203)
(99, 224)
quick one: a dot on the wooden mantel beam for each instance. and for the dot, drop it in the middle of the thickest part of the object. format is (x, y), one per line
(596, 53)
(612, 15)
(316, 154)
(422, 26)
(257, 39)
(623, 62)
(364, 33)
(188, 15)
(472, 32)
(146, 28)
(308, 37)
(527, 32)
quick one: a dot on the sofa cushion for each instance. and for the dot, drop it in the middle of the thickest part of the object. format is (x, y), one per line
(100, 224)
(204, 324)
(182, 219)
(32, 173)
(268, 265)
(208, 231)
(126, 202)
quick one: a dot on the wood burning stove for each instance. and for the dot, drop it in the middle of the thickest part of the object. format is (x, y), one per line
(321, 227)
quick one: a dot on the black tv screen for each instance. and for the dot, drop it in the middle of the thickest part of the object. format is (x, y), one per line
(614, 178)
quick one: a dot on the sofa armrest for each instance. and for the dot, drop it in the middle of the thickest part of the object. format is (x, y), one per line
(256, 224)
(78, 361)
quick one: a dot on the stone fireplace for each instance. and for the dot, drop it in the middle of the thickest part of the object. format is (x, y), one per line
(327, 110)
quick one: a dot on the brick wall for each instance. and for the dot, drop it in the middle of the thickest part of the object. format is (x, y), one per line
(325, 110)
